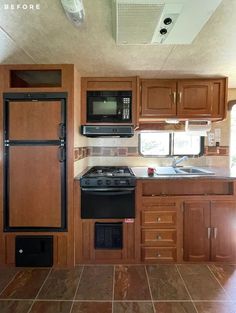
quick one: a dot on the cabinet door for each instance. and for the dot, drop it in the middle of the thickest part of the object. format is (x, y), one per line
(35, 188)
(223, 223)
(196, 231)
(195, 98)
(158, 98)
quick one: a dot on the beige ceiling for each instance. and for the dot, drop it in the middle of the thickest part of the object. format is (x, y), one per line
(47, 36)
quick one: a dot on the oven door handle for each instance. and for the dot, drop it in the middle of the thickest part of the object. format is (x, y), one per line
(108, 191)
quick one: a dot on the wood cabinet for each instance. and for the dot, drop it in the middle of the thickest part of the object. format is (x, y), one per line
(183, 99)
(197, 230)
(159, 222)
(195, 98)
(158, 98)
(33, 158)
(187, 220)
(209, 230)
(223, 226)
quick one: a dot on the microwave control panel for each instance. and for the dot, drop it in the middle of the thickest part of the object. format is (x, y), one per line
(126, 108)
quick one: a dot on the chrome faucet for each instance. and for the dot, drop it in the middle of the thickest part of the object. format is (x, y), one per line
(177, 160)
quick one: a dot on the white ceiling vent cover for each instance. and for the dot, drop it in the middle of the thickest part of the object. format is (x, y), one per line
(160, 21)
(136, 22)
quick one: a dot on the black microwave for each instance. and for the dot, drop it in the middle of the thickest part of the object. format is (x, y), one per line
(109, 106)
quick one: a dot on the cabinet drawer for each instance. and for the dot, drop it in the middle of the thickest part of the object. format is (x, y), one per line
(159, 218)
(158, 254)
(159, 237)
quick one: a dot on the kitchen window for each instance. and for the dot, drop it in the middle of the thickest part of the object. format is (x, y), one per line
(165, 144)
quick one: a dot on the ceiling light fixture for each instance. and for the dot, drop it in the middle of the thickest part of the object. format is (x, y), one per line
(74, 10)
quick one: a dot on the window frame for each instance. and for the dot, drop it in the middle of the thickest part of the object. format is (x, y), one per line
(171, 148)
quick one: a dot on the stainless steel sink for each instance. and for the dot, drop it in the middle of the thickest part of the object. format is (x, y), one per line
(190, 170)
(193, 171)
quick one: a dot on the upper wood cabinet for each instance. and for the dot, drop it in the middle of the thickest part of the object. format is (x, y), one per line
(183, 99)
(108, 84)
(194, 98)
(158, 98)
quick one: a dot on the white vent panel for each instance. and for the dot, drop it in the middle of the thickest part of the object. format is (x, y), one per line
(136, 23)
(144, 21)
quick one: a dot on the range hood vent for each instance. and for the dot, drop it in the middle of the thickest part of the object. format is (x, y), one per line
(160, 21)
(107, 131)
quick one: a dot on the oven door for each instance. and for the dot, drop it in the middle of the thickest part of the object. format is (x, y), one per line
(107, 203)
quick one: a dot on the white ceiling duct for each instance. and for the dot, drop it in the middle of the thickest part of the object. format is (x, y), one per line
(160, 21)
(74, 10)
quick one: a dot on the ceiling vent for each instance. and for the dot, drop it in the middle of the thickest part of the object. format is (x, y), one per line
(160, 21)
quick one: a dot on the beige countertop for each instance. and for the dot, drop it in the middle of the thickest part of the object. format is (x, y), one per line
(141, 173)
(219, 173)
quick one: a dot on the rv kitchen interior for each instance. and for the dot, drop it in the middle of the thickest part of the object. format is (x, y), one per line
(118, 156)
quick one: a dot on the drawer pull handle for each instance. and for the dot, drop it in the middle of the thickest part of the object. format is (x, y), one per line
(159, 237)
(158, 219)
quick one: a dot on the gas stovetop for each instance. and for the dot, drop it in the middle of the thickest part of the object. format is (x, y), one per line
(113, 176)
(111, 171)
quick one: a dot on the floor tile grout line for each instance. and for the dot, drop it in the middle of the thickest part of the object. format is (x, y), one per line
(150, 291)
(117, 301)
(113, 288)
(40, 290)
(186, 288)
(11, 280)
(76, 290)
(212, 273)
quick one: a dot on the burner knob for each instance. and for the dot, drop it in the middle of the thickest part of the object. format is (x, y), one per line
(108, 182)
(87, 182)
(99, 182)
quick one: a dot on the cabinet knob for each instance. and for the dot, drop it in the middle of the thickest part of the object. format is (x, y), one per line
(159, 237)
(158, 219)
(158, 255)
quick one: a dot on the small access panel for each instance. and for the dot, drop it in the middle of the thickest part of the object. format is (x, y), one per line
(34, 251)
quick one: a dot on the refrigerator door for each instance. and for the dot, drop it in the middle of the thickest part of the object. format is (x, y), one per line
(35, 162)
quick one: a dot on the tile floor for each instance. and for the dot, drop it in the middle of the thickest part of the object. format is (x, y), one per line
(185, 288)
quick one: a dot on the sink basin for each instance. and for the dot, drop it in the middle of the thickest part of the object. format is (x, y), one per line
(165, 170)
(193, 171)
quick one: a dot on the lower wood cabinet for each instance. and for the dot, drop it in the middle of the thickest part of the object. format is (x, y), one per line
(209, 230)
(223, 235)
(158, 230)
(87, 252)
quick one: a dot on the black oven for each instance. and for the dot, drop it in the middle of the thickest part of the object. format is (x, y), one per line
(109, 106)
(107, 203)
